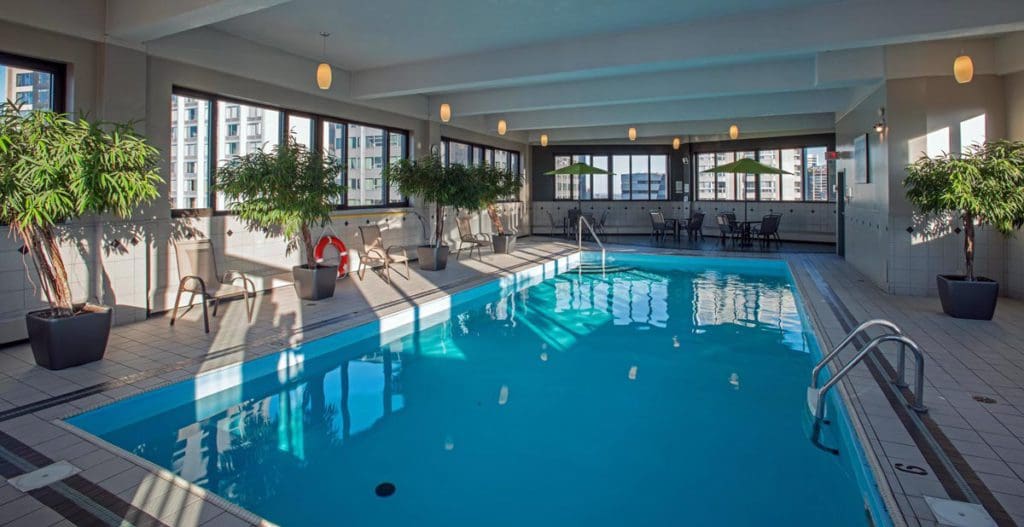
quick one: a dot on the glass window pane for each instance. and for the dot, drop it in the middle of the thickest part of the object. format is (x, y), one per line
(600, 180)
(478, 155)
(792, 183)
(190, 153)
(32, 89)
(258, 129)
(769, 182)
(334, 144)
(301, 128)
(639, 181)
(396, 150)
(365, 180)
(563, 182)
(705, 182)
(501, 159)
(816, 177)
(747, 182)
(583, 180)
(659, 177)
(725, 184)
(458, 153)
(620, 178)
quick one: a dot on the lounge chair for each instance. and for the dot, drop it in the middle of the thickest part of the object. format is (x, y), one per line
(197, 270)
(475, 241)
(374, 254)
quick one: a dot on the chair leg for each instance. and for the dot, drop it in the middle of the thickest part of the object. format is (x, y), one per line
(387, 272)
(177, 301)
(361, 270)
(249, 301)
(206, 320)
(216, 304)
(458, 253)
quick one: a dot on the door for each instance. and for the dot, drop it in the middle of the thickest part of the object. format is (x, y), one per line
(841, 213)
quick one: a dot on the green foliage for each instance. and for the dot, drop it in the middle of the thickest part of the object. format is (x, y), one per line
(286, 190)
(54, 168)
(984, 185)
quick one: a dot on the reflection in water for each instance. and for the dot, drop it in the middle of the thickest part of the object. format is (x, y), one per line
(308, 446)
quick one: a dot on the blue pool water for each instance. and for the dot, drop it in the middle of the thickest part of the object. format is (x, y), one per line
(669, 395)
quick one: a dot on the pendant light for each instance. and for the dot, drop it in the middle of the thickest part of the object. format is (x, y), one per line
(734, 132)
(323, 71)
(543, 139)
(963, 68)
(676, 143)
(446, 112)
(632, 133)
(502, 127)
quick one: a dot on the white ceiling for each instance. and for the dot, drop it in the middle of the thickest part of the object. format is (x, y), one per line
(577, 70)
(375, 33)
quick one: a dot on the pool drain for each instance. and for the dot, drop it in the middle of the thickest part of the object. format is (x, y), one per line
(385, 489)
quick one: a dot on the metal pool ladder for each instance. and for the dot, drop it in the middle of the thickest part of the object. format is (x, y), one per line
(579, 240)
(816, 395)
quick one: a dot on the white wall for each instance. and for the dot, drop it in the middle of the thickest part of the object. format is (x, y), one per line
(1013, 89)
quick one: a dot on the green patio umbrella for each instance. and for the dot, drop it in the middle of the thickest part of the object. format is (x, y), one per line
(577, 169)
(744, 166)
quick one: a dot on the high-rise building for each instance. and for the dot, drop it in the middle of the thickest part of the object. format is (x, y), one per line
(28, 88)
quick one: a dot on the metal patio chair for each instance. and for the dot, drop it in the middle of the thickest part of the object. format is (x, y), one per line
(658, 225)
(197, 269)
(375, 254)
(475, 241)
(695, 226)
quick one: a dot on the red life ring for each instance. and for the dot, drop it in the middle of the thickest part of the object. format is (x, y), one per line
(318, 253)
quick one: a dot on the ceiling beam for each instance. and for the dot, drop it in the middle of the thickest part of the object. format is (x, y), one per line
(767, 77)
(145, 20)
(814, 101)
(698, 130)
(811, 29)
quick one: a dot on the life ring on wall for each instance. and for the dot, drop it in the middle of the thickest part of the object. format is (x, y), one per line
(318, 253)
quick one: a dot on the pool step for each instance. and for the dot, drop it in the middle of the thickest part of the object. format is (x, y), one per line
(595, 268)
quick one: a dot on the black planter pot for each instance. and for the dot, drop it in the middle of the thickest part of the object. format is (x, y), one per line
(503, 243)
(432, 258)
(314, 284)
(59, 343)
(966, 299)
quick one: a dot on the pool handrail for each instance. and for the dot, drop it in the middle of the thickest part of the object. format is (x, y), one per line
(579, 239)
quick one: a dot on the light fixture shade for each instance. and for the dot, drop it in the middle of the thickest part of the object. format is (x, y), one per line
(502, 127)
(323, 76)
(632, 133)
(734, 132)
(676, 143)
(543, 139)
(446, 112)
(963, 69)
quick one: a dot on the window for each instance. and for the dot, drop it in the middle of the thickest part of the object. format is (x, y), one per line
(620, 177)
(214, 129)
(191, 172)
(365, 182)
(639, 177)
(808, 177)
(458, 153)
(34, 84)
(658, 177)
(564, 183)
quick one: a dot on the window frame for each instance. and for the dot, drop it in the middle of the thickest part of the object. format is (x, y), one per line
(782, 191)
(317, 121)
(513, 166)
(59, 71)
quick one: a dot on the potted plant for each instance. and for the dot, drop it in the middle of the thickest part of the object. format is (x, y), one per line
(497, 184)
(430, 180)
(286, 191)
(53, 169)
(982, 186)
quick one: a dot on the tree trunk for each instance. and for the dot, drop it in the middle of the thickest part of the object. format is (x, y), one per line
(492, 211)
(53, 276)
(969, 244)
(307, 247)
(439, 226)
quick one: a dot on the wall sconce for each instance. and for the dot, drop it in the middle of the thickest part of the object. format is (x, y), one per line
(880, 125)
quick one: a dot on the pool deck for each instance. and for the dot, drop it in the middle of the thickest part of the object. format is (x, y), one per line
(970, 450)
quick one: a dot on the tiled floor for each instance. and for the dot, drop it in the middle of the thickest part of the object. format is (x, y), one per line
(964, 360)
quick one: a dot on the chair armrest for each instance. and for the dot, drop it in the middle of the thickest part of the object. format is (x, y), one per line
(481, 237)
(232, 275)
(182, 283)
(387, 252)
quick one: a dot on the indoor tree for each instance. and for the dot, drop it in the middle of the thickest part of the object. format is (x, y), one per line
(55, 168)
(984, 185)
(432, 181)
(497, 184)
(284, 191)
